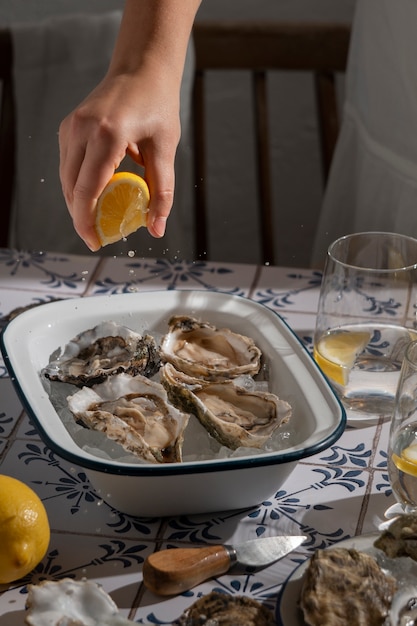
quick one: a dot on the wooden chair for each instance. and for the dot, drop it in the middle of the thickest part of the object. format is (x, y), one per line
(259, 48)
(254, 47)
(7, 133)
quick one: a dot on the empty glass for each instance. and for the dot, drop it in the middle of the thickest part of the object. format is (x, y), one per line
(367, 317)
(402, 449)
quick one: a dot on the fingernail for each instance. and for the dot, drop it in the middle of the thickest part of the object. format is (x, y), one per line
(93, 245)
(159, 225)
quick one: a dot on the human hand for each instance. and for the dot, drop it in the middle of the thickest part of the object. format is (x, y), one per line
(135, 115)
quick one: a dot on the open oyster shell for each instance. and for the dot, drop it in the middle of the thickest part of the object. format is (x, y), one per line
(104, 350)
(400, 538)
(345, 586)
(217, 608)
(133, 411)
(232, 414)
(202, 350)
(71, 603)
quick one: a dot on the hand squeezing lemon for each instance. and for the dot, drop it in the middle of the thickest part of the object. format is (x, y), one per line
(122, 207)
(24, 529)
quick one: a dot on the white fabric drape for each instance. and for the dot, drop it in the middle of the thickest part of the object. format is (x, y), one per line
(58, 61)
(373, 180)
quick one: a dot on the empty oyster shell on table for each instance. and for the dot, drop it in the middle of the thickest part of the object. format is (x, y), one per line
(70, 602)
(107, 349)
(200, 349)
(133, 411)
(232, 414)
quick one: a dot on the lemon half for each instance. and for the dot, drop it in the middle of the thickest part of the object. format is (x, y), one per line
(122, 207)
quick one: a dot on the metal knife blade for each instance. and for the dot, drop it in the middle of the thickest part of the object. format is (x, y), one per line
(266, 550)
(175, 570)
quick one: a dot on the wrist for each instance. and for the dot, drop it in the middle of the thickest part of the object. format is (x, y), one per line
(154, 34)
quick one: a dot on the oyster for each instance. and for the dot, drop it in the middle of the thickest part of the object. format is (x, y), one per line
(71, 603)
(104, 350)
(217, 608)
(232, 414)
(202, 350)
(133, 411)
(343, 587)
(400, 538)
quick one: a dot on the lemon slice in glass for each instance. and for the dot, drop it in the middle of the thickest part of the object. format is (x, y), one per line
(407, 462)
(336, 353)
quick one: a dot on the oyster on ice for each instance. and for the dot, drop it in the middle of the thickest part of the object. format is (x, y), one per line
(232, 414)
(70, 602)
(107, 349)
(200, 349)
(133, 411)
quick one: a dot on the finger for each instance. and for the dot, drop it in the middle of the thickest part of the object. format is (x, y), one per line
(85, 171)
(160, 176)
(135, 154)
(70, 160)
(93, 176)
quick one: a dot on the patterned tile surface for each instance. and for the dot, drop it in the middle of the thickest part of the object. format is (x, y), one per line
(340, 492)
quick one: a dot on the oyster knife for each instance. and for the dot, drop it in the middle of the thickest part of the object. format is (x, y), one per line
(175, 570)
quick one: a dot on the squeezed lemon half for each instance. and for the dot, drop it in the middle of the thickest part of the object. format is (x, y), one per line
(336, 353)
(122, 208)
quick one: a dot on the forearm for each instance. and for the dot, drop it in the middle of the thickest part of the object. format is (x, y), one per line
(134, 111)
(154, 33)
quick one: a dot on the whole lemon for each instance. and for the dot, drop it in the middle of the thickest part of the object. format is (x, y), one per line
(24, 529)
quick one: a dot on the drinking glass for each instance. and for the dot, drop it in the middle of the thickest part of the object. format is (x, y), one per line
(367, 317)
(402, 447)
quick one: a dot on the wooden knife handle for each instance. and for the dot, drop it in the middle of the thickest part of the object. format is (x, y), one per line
(173, 571)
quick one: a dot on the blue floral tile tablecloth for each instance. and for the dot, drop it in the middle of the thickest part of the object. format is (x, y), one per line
(341, 492)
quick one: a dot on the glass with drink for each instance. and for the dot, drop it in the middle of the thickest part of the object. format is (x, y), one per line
(367, 317)
(402, 449)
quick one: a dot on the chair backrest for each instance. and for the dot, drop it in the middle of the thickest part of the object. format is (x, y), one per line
(7, 133)
(321, 48)
(255, 47)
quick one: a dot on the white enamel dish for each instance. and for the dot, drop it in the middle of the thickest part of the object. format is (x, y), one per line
(190, 487)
